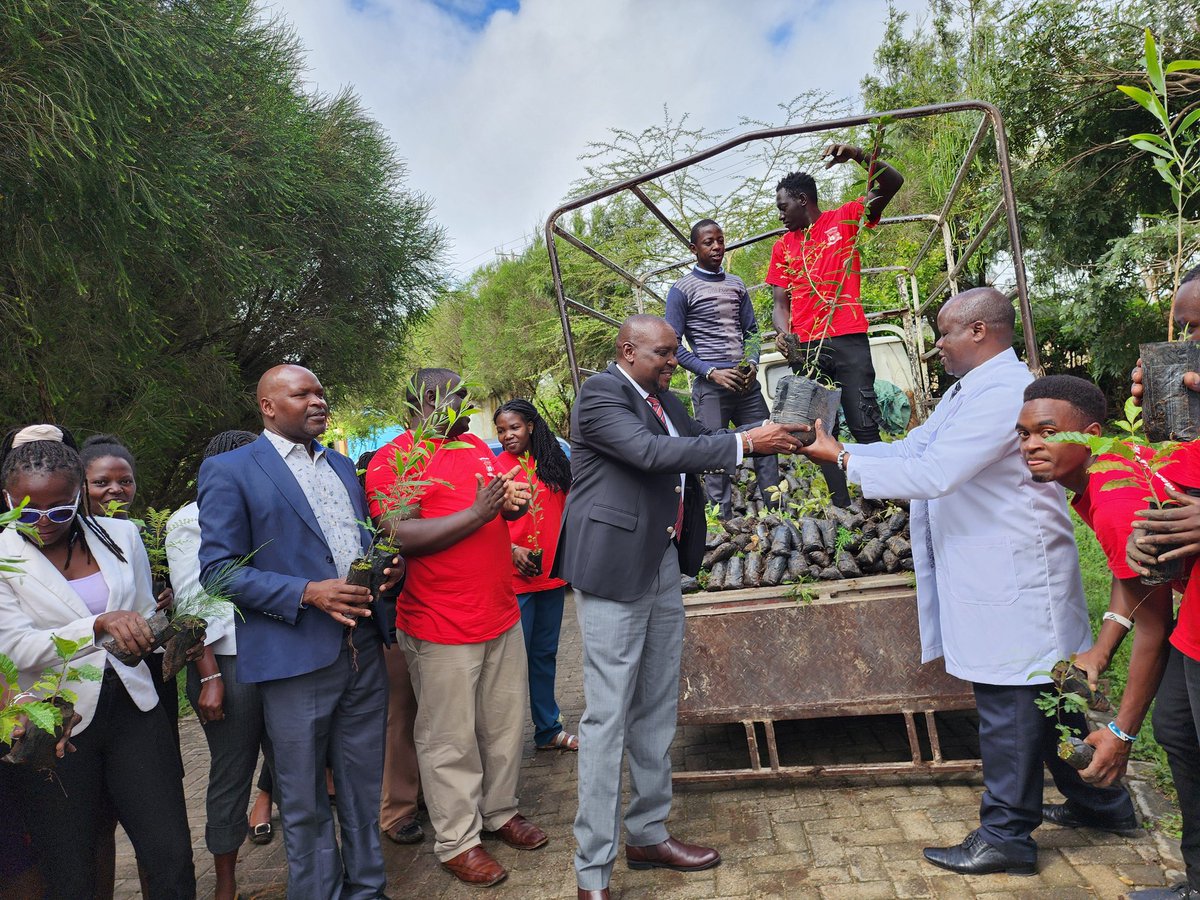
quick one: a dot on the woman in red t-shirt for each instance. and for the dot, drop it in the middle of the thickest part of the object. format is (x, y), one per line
(522, 431)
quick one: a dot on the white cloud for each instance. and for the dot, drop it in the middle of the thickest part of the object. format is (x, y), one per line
(491, 119)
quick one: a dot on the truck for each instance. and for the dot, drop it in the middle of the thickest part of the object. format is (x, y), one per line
(757, 656)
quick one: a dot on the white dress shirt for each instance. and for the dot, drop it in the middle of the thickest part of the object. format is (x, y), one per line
(671, 430)
(999, 592)
(327, 496)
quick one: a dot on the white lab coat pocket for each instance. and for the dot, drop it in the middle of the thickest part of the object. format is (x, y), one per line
(980, 571)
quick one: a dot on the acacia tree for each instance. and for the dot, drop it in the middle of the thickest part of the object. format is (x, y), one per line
(178, 214)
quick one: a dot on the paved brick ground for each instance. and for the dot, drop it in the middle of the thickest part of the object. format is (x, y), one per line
(824, 839)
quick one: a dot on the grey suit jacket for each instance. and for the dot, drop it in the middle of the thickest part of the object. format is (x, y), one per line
(624, 496)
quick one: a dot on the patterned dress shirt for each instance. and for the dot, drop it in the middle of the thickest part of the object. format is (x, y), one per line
(327, 496)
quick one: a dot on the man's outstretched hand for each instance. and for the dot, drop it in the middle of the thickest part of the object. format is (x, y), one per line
(824, 447)
(773, 437)
(841, 153)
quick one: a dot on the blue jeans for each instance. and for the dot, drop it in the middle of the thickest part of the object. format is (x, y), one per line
(541, 620)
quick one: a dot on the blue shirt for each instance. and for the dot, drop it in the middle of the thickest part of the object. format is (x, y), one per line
(713, 312)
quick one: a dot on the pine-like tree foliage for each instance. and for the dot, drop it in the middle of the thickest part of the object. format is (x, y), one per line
(178, 213)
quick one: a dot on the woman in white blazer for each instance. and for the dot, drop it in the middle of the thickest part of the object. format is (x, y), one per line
(88, 578)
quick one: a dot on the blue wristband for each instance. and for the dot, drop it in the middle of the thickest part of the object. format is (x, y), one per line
(1127, 738)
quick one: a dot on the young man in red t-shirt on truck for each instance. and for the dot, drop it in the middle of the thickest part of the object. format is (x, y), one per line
(1063, 403)
(460, 628)
(815, 272)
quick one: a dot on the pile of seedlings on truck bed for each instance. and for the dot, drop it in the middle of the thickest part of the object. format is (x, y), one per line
(805, 539)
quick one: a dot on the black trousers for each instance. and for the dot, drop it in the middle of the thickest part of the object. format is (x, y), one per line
(1176, 717)
(846, 361)
(125, 760)
(233, 745)
(715, 408)
(1015, 739)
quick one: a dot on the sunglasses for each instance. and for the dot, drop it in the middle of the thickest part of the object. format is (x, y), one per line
(58, 515)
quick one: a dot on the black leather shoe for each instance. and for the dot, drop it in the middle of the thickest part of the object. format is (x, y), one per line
(1181, 891)
(1069, 817)
(975, 856)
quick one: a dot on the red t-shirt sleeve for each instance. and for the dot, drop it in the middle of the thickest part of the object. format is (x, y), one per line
(777, 270)
(379, 476)
(1110, 514)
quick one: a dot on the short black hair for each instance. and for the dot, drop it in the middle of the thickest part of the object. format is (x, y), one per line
(797, 183)
(424, 380)
(1189, 275)
(99, 446)
(703, 223)
(1088, 399)
(228, 440)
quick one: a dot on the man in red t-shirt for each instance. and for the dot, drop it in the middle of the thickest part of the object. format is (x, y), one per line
(815, 272)
(460, 628)
(1063, 403)
(1176, 531)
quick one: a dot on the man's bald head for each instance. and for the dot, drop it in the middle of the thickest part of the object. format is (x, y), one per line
(640, 328)
(646, 348)
(986, 305)
(975, 326)
(292, 402)
(277, 378)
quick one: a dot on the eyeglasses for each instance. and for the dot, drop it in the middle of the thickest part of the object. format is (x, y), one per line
(59, 515)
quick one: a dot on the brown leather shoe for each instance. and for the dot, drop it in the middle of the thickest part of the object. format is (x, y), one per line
(475, 866)
(601, 894)
(519, 832)
(672, 854)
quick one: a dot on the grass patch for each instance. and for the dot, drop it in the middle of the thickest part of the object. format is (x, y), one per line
(1097, 585)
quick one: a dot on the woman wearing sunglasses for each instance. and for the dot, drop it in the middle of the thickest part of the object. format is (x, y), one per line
(87, 577)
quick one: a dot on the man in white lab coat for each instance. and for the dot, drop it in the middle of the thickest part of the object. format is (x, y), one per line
(999, 593)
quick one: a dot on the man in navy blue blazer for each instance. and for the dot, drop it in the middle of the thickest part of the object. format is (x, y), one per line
(306, 637)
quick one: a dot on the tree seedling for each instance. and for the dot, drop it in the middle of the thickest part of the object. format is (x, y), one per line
(54, 704)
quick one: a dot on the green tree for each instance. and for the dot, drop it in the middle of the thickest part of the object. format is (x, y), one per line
(178, 214)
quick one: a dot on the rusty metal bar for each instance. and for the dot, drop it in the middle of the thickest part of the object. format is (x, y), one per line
(991, 113)
(935, 743)
(594, 313)
(604, 260)
(952, 194)
(772, 747)
(836, 770)
(948, 241)
(1033, 357)
(980, 237)
(729, 248)
(752, 745)
(914, 743)
(659, 214)
(563, 306)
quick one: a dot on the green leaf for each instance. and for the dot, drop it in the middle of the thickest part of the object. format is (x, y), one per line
(1188, 121)
(1109, 465)
(1122, 483)
(43, 715)
(1133, 412)
(1147, 101)
(66, 648)
(1181, 65)
(1151, 148)
(1154, 64)
(1124, 450)
(1093, 442)
(8, 671)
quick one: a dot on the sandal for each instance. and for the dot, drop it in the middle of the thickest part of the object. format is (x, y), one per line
(562, 741)
(262, 833)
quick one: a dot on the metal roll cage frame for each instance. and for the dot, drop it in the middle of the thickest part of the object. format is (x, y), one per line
(910, 314)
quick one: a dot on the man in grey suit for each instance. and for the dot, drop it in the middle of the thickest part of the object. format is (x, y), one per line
(633, 521)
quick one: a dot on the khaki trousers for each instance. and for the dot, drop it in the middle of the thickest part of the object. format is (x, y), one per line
(401, 780)
(472, 703)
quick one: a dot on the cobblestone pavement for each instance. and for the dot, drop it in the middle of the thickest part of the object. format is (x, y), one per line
(850, 838)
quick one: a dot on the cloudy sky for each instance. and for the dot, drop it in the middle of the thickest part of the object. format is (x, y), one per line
(491, 102)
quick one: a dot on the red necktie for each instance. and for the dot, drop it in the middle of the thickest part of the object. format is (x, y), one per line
(662, 417)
